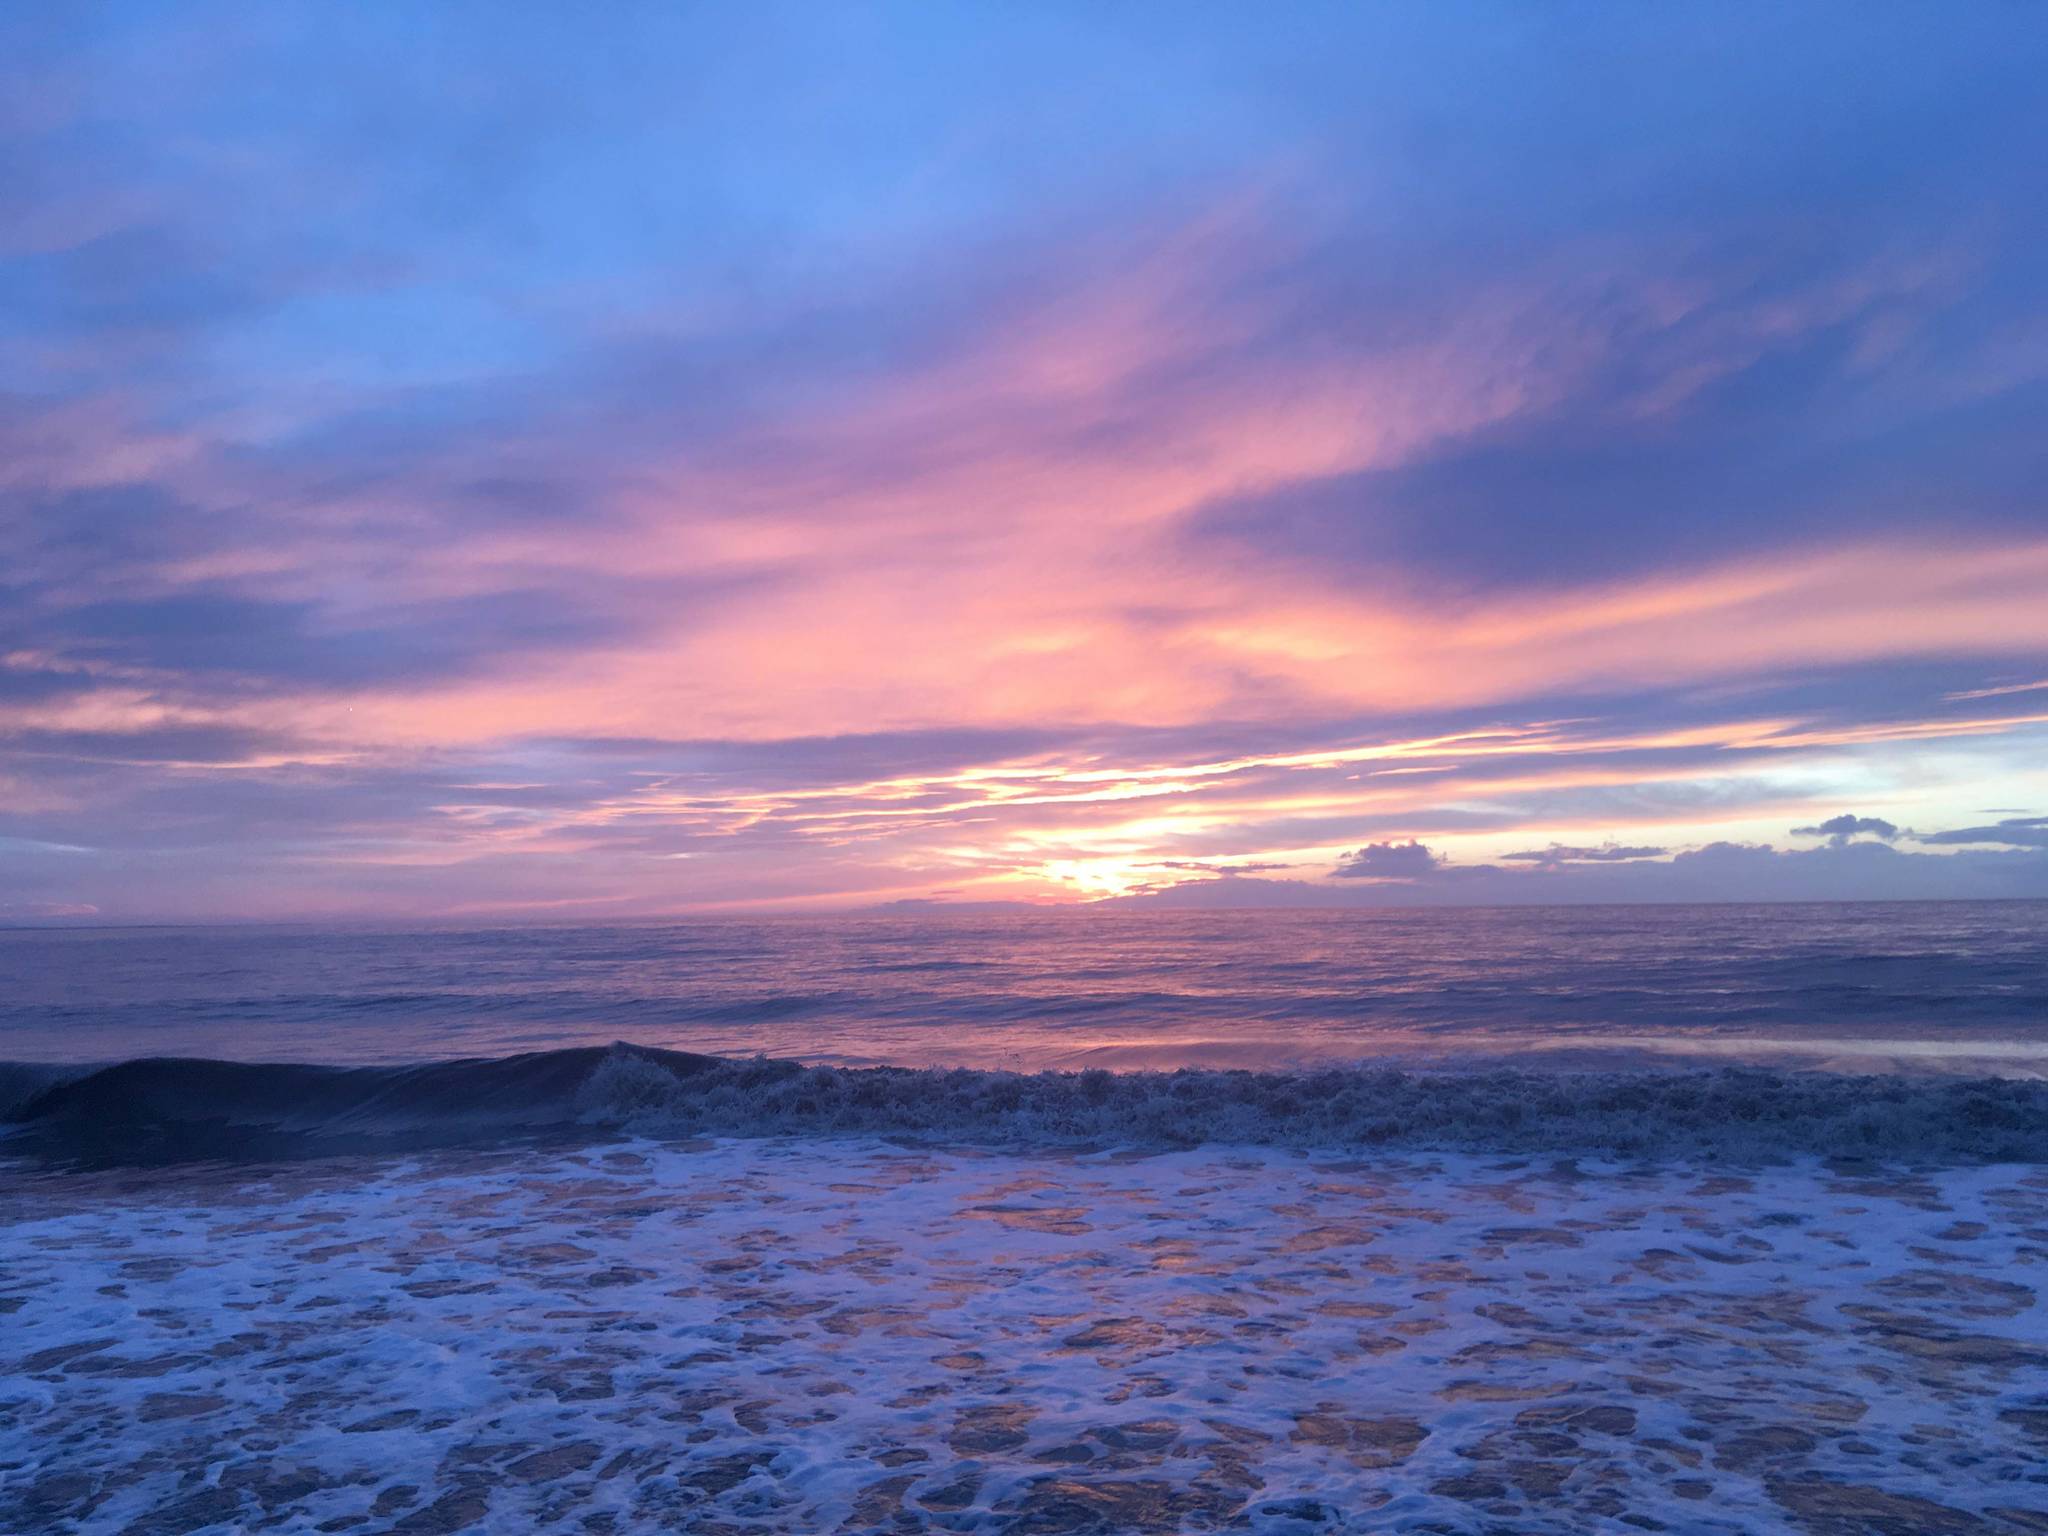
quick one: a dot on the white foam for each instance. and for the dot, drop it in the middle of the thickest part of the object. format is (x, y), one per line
(1172, 1342)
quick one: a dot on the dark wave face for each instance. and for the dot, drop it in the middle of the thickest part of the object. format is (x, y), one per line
(176, 1109)
(180, 1110)
(1501, 1030)
(1960, 982)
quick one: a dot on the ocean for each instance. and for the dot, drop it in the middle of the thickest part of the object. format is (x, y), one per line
(1717, 1219)
(1951, 985)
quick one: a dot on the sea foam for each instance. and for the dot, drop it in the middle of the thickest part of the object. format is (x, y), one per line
(804, 1335)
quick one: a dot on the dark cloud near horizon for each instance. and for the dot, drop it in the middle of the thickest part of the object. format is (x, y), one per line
(1388, 861)
(1718, 872)
(2013, 832)
(1841, 829)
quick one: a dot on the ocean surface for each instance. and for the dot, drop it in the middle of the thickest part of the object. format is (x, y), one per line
(1722, 1220)
(1713, 1030)
(1957, 985)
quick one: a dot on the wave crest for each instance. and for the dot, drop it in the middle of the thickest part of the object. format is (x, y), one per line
(176, 1109)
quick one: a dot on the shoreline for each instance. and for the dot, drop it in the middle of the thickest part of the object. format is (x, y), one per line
(802, 1335)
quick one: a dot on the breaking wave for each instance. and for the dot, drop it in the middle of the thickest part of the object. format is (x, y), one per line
(172, 1109)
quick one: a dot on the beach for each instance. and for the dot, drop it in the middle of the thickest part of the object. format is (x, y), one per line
(824, 1334)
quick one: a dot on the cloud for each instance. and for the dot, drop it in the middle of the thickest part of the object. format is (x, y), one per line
(2013, 832)
(413, 505)
(35, 911)
(1999, 690)
(1718, 872)
(1841, 829)
(1606, 853)
(1388, 861)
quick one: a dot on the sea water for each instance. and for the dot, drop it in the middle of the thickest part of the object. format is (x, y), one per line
(1719, 1219)
(1958, 985)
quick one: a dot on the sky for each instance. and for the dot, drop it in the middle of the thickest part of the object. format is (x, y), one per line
(527, 461)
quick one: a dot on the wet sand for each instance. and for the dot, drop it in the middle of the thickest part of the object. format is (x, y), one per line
(815, 1335)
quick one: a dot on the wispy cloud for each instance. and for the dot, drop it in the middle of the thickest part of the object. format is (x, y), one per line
(1606, 853)
(1019, 460)
(1998, 692)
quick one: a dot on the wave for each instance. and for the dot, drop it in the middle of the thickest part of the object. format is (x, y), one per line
(177, 1109)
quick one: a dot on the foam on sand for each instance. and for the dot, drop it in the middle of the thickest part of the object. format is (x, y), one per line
(813, 1334)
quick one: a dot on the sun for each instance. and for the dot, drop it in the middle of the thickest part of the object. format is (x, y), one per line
(1097, 879)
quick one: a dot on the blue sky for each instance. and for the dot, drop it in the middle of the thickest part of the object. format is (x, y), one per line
(520, 460)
